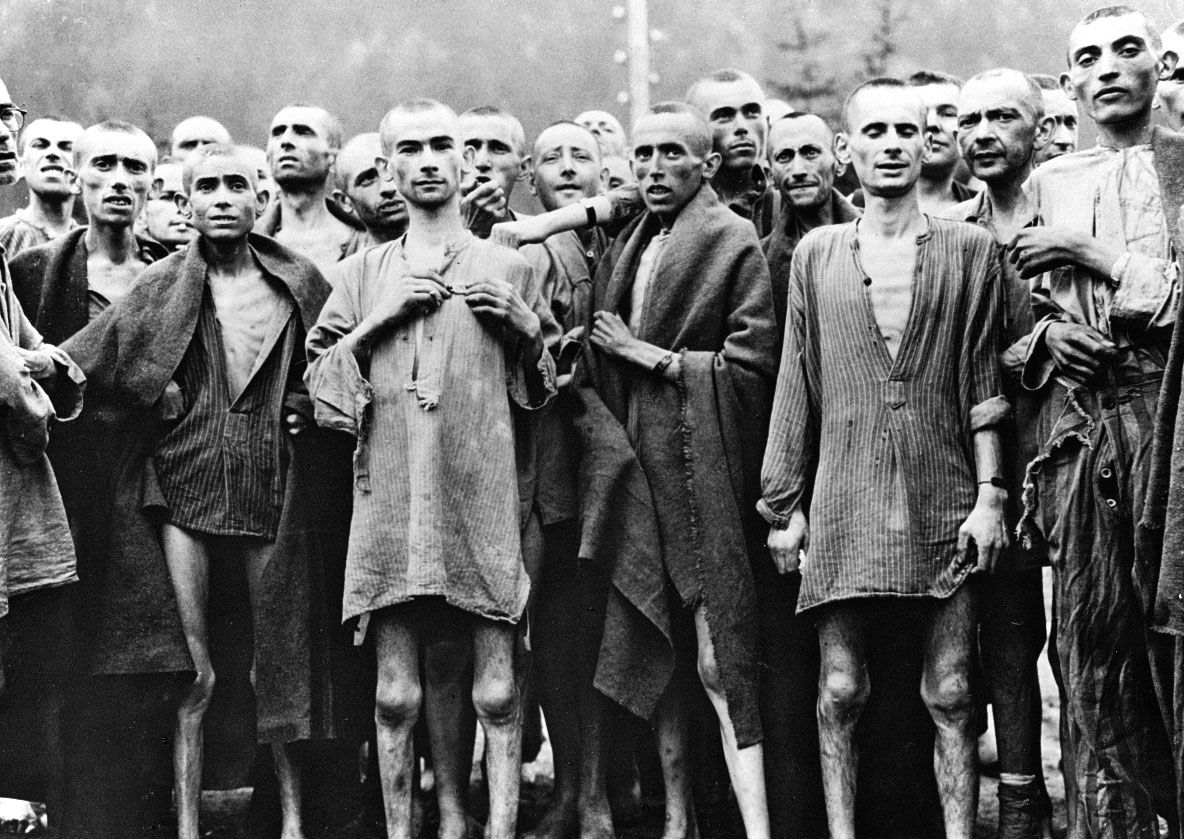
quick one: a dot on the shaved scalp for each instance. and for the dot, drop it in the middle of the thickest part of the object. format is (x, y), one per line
(1122, 11)
(517, 132)
(223, 150)
(23, 139)
(802, 115)
(699, 137)
(724, 75)
(1045, 82)
(556, 124)
(924, 78)
(1033, 98)
(333, 130)
(111, 126)
(413, 106)
(878, 84)
(369, 139)
(1176, 28)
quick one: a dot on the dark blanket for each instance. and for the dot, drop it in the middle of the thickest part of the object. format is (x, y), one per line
(700, 444)
(50, 282)
(780, 244)
(132, 351)
(1158, 570)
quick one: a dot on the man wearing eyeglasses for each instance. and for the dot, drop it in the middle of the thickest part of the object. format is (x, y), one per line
(45, 153)
(37, 564)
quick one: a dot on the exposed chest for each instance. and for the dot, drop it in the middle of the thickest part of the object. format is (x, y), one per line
(109, 279)
(322, 244)
(889, 268)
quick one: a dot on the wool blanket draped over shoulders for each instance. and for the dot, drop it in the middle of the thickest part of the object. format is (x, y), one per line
(699, 442)
(132, 351)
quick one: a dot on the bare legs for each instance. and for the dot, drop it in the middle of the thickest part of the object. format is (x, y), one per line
(189, 569)
(397, 707)
(188, 560)
(746, 767)
(843, 690)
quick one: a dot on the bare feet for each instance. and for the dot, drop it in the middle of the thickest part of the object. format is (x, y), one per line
(681, 824)
(453, 825)
(597, 824)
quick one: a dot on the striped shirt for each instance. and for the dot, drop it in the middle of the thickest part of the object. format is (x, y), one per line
(879, 450)
(218, 468)
(436, 506)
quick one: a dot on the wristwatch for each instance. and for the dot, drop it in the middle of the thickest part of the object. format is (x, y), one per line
(996, 482)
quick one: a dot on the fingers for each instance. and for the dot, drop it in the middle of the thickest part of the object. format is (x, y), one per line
(963, 544)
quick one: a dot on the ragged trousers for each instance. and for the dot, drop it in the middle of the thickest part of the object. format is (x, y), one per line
(1084, 493)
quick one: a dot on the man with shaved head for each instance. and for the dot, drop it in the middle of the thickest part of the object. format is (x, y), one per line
(898, 434)
(803, 168)
(1105, 292)
(194, 133)
(1170, 93)
(607, 130)
(938, 191)
(372, 198)
(164, 220)
(302, 147)
(436, 335)
(733, 103)
(681, 352)
(1001, 125)
(47, 160)
(258, 158)
(1063, 111)
(565, 170)
(224, 322)
(498, 161)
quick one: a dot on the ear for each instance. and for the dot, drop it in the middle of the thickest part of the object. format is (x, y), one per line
(927, 150)
(1167, 64)
(711, 165)
(1067, 86)
(262, 199)
(604, 176)
(1044, 130)
(344, 200)
(525, 169)
(469, 156)
(182, 202)
(842, 151)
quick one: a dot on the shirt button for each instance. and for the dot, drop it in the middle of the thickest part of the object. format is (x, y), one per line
(1111, 503)
(1107, 472)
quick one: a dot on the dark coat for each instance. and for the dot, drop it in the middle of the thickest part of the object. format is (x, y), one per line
(133, 350)
(699, 442)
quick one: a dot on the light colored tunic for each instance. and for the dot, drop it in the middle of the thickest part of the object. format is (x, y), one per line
(879, 449)
(36, 549)
(436, 508)
(1112, 195)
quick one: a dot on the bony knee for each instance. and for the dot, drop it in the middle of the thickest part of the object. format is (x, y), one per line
(496, 699)
(201, 692)
(397, 704)
(949, 696)
(709, 674)
(842, 693)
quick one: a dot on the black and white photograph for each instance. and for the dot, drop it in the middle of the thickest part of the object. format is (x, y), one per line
(598, 419)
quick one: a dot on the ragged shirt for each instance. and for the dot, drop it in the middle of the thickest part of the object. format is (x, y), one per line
(19, 232)
(36, 549)
(879, 451)
(436, 507)
(1112, 195)
(219, 467)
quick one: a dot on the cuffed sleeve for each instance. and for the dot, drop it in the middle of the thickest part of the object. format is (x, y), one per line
(1038, 366)
(28, 409)
(989, 413)
(531, 384)
(66, 387)
(336, 385)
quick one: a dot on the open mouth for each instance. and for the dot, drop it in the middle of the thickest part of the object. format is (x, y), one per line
(52, 167)
(658, 191)
(118, 201)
